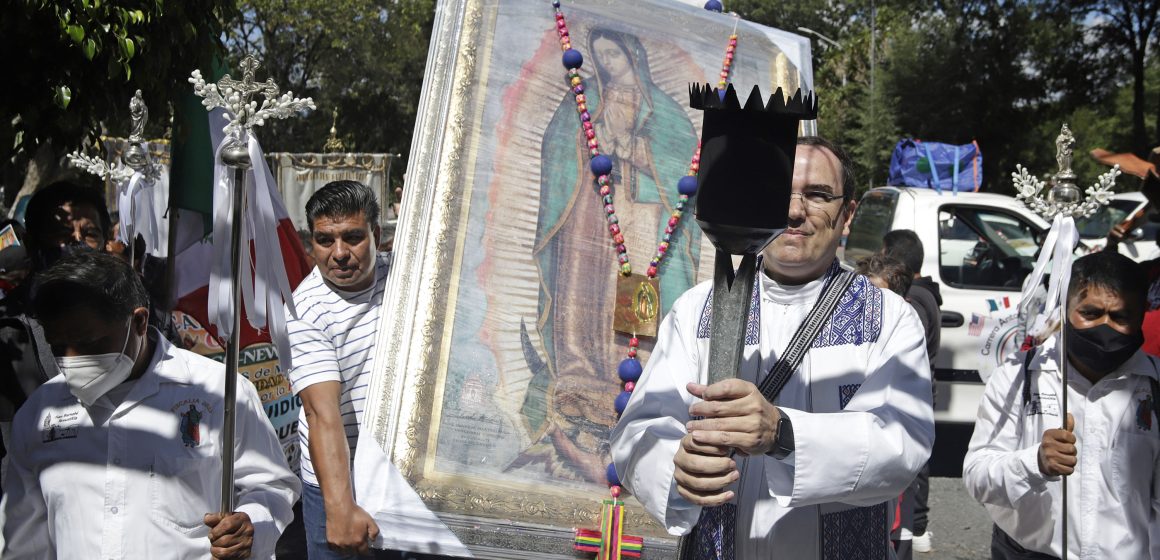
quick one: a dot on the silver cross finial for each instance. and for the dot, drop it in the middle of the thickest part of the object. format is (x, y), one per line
(236, 97)
(1064, 197)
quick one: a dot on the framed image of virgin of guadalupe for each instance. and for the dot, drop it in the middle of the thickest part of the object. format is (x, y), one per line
(496, 366)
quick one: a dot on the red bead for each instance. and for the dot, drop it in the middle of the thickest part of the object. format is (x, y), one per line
(581, 108)
(634, 342)
(605, 190)
(560, 23)
(615, 491)
(593, 144)
(621, 249)
(629, 386)
(672, 222)
(587, 125)
(669, 230)
(632, 352)
(590, 133)
(609, 209)
(618, 238)
(614, 228)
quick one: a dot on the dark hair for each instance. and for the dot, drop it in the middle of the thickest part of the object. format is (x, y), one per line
(890, 269)
(1113, 272)
(904, 245)
(99, 281)
(339, 199)
(849, 180)
(44, 202)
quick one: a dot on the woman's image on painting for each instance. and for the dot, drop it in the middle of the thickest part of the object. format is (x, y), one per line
(650, 140)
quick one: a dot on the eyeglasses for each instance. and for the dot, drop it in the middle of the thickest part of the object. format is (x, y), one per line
(815, 199)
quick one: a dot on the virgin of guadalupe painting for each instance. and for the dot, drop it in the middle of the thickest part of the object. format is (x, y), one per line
(650, 139)
(496, 369)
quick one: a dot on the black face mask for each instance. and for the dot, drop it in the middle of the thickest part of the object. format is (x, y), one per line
(1101, 349)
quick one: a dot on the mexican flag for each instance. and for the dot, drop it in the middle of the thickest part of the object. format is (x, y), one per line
(197, 136)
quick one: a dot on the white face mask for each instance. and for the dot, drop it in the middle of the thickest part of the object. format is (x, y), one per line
(90, 377)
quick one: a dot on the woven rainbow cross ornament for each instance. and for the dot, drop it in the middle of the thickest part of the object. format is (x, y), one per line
(610, 542)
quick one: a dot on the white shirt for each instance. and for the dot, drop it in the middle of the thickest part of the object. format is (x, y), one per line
(1112, 495)
(333, 340)
(130, 477)
(860, 405)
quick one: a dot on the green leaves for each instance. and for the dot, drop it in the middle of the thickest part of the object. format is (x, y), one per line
(62, 96)
(81, 60)
(76, 33)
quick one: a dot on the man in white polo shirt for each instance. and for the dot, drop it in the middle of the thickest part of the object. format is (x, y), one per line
(331, 347)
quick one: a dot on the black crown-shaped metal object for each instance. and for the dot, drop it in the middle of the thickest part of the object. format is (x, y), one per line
(746, 169)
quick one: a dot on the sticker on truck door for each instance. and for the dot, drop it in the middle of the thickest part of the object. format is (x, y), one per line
(996, 337)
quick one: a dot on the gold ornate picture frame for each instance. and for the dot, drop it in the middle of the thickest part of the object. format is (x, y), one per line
(494, 374)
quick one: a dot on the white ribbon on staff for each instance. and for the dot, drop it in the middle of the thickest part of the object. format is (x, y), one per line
(265, 285)
(1057, 250)
(135, 207)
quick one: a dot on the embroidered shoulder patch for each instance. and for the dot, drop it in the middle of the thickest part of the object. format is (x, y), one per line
(858, 318)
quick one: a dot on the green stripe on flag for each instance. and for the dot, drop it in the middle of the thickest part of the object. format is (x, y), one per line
(191, 172)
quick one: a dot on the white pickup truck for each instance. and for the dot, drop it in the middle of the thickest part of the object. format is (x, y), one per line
(979, 247)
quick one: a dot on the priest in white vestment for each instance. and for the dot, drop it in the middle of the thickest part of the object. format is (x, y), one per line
(817, 473)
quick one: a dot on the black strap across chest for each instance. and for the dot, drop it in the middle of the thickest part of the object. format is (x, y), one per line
(835, 286)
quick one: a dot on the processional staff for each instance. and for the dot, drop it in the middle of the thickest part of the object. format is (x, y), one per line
(743, 199)
(1064, 203)
(230, 283)
(136, 172)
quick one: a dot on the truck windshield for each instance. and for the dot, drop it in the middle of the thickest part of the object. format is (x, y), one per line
(873, 219)
(985, 248)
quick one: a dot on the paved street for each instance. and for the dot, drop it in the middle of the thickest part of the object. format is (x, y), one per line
(961, 527)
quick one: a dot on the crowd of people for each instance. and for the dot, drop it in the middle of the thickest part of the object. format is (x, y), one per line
(112, 431)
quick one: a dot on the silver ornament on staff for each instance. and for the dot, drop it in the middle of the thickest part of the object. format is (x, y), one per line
(243, 114)
(136, 171)
(1063, 203)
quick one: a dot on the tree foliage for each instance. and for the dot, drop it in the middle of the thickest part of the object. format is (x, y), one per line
(362, 57)
(72, 66)
(1003, 73)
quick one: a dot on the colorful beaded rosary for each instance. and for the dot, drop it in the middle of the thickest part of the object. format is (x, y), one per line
(610, 543)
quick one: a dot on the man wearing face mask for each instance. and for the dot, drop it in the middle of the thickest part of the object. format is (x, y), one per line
(61, 218)
(1109, 445)
(120, 455)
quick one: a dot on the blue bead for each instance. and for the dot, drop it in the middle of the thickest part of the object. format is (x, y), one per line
(629, 370)
(610, 474)
(714, 6)
(721, 95)
(601, 165)
(622, 401)
(573, 59)
(687, 185)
